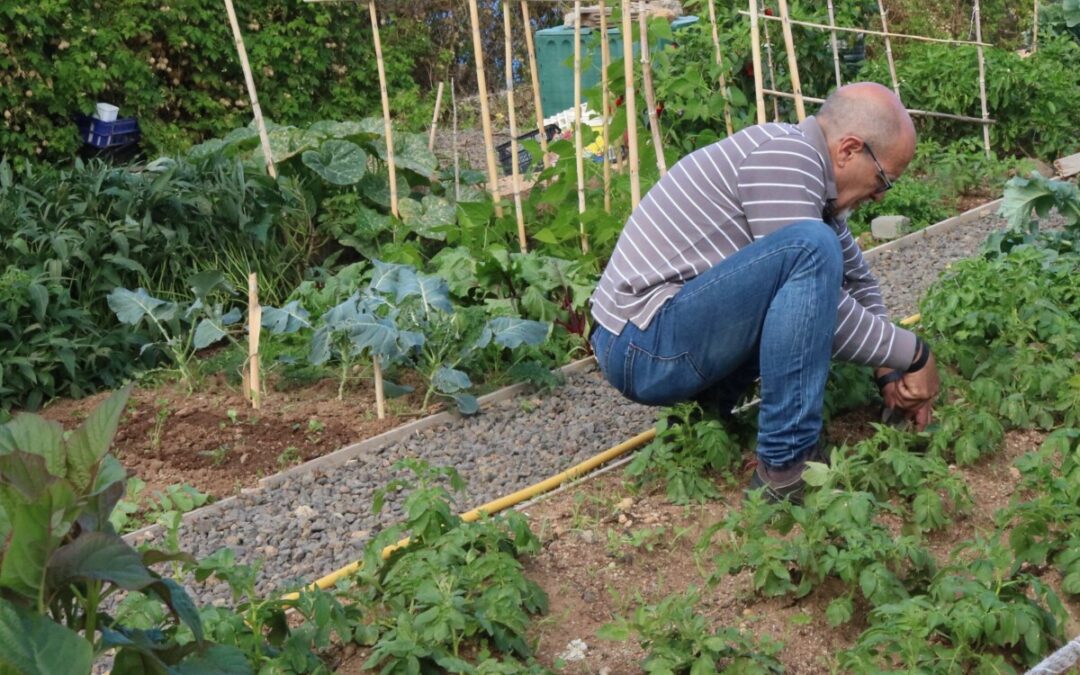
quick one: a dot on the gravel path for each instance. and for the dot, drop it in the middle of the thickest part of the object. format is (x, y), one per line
(314, 524)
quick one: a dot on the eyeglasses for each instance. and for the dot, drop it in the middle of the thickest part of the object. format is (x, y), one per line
(886, 183)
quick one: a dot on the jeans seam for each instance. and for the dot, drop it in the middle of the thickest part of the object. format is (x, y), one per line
(693, 293)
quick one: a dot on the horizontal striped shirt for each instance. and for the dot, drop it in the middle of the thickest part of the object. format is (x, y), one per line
(723, 197)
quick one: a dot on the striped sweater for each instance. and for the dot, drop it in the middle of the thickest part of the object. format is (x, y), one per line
(721, 198)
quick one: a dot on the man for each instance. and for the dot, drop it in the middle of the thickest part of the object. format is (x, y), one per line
(739, 264)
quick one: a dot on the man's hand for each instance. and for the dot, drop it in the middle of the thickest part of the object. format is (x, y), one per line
(913, 393)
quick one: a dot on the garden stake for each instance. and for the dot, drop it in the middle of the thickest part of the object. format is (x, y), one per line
(453, 141)
(435, 119)
(835, 49)
(605, 105)
(650, 95)
(888, 47)
(755, 49)
(867, 31)
(912, 111)
(254, 390)
(793, 61)
(531, 48)
(1035, 30)
(386, 113)
(514, 169)
(772, 70)
(579, 151)
(485, 112)
(720, 65)
(380, 400)
(982, 80)
(629, 100)
(264, 138)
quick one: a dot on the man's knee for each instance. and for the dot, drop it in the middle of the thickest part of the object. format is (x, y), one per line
(821, 240)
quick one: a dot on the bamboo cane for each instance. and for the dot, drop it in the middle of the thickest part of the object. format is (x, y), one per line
(249, 80)
(888, 48)
(793, 61)
(387, 129)
(772, 71)
(254, 390)
(911, 111)
(755, 49)
(982, 79)
(650, 95)
(579, 151)
(454, 141)
(514, 169)
(720, 65)
(867, 31)
(531, 48)
(485, 112)
(380, 397)
(835, 48)
(1035, 30)
(630, 103)
(605, 104)
(435, 119)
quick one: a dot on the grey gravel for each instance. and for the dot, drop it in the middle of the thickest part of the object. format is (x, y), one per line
(316, 523)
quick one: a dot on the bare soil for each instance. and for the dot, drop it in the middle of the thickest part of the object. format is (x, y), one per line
(215, 441)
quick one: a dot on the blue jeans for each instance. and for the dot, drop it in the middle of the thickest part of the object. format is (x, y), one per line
(768, 310)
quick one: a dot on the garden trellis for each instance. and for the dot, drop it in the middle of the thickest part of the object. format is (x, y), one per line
(799, 98)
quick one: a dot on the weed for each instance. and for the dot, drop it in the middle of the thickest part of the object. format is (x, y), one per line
(288, 457)
(218, 455)
(161, 415)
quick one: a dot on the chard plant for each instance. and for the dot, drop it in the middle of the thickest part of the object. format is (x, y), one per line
(62, 560)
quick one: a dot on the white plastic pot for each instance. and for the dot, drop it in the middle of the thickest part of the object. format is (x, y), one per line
(106, 112)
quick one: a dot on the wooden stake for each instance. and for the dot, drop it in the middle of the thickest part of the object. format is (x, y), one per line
(755, 49)
(866, 31)
(793, 61)
(514, 168)
(579, 151)
(387, 130)
(650, 95)
(457, 164)
(254, 391)
(888, 48)
(531, 48)
(911, 111)
(835, 49)
(772, 71)
(485, 112)
(720, 65)
(380, 398)
(249, 80)
(1035, 30)
(435, 119)
(982, 79)
(605, 104)
(630, 102)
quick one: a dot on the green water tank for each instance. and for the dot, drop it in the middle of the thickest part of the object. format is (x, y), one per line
(555, 58)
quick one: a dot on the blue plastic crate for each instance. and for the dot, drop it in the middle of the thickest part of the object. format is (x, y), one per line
(99, 134)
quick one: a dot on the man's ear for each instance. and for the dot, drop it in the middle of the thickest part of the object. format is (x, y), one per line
(847, 148)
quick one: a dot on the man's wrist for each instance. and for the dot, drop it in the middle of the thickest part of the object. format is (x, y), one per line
(922, 355)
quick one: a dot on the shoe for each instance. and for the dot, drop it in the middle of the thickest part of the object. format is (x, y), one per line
(786, 485)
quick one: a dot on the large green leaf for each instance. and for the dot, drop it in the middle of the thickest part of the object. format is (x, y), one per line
(288, 319)
(99, 556)
(512, 332)
(286, 142)
(131, 306)
(34, 645)
(337, 162)
(458, 267)
(208, 332)
(36, 530)
(411, 152)
(449, 380)
(430, 289)
(37, 436)
(89, 442)
(177, 599)
(428, 217)
(346, 129)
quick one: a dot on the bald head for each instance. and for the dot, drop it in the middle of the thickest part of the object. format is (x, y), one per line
(873, 113)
